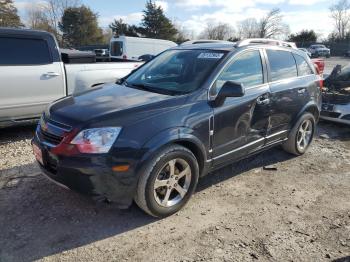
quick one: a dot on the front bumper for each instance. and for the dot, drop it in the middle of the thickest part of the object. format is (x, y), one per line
(90, 174)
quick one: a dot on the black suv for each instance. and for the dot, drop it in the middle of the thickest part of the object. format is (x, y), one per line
(189, 111)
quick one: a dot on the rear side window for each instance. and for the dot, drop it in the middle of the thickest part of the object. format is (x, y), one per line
(282, 65)
(116, 48)
(245, 69)
(303, 67)
(24, 51)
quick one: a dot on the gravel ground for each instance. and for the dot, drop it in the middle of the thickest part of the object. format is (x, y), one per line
(299, 212)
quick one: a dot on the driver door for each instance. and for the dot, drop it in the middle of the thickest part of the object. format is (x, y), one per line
(241, 123)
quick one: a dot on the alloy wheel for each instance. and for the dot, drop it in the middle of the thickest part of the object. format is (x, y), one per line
(304, 135)
(172, 182)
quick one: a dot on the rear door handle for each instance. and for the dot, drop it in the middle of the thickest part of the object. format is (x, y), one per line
(48, 74)
(263, 100)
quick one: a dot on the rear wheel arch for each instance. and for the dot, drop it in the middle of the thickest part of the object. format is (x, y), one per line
(313, 109)
(308, 108)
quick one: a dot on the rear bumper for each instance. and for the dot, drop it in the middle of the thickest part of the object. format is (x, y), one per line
(89, 175)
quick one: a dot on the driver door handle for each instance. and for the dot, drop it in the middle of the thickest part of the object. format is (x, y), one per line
(48, 74)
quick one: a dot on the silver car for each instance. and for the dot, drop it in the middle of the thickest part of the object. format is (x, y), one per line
(319, 50)
(336, 96)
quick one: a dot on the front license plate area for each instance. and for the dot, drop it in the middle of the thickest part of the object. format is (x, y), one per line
(38, 154)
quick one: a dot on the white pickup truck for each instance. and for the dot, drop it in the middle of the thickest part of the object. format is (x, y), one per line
(32, 74)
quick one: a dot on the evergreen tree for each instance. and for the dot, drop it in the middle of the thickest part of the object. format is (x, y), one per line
(304, 36)
(8, 14)
(155, 24)
(80, 27)
(120, 28)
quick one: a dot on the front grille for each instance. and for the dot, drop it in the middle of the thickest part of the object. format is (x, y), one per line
(52, 132)
(51, 138)
(330, 114)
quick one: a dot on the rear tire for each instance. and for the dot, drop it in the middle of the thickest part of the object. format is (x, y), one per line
(168, 181)
(301, 136)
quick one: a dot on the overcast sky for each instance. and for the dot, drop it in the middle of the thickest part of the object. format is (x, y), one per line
(194, 14)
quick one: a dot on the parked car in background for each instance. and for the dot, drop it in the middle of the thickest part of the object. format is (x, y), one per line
(102, 54)
(319, 50)
(306, 51)
(336, 96)
(33, 73)
(131, 48)
(189, 111)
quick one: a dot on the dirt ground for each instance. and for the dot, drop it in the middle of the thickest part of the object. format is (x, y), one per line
(299, 212)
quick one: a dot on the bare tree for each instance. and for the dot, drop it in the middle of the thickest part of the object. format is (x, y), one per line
(217, 31)
(340, 15)
(36, 17)
(272, 25)
(248, 28)
(55, 10)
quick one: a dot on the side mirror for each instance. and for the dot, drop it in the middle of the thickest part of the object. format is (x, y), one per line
(229, 89)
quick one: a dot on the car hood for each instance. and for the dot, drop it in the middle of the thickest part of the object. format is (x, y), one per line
(108, 102)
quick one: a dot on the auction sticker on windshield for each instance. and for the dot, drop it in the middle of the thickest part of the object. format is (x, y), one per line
(210, 55)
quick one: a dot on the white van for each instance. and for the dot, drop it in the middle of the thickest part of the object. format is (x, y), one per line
(131, 48)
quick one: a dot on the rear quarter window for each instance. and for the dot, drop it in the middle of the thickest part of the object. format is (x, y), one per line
(282, 65)
(24, 51)
(304, 68)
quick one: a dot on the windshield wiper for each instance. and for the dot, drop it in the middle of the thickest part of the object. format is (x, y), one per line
(151, 88)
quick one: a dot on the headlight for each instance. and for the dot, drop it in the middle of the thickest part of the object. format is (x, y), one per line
(96, 140)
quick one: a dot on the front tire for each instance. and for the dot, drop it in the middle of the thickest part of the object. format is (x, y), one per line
(168, 181)
(301, 136)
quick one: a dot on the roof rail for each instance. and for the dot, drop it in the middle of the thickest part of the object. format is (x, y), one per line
(266, 41)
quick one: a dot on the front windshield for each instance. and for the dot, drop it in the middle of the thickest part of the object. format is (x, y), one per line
(176, 71)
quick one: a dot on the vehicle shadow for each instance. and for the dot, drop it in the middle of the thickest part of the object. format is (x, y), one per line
(41, 219)
(267, 158)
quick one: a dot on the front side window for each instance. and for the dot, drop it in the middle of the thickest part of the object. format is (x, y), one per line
(245, 69)
(176, 71)
(24, 51)
(303, 67)
(282, 65)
